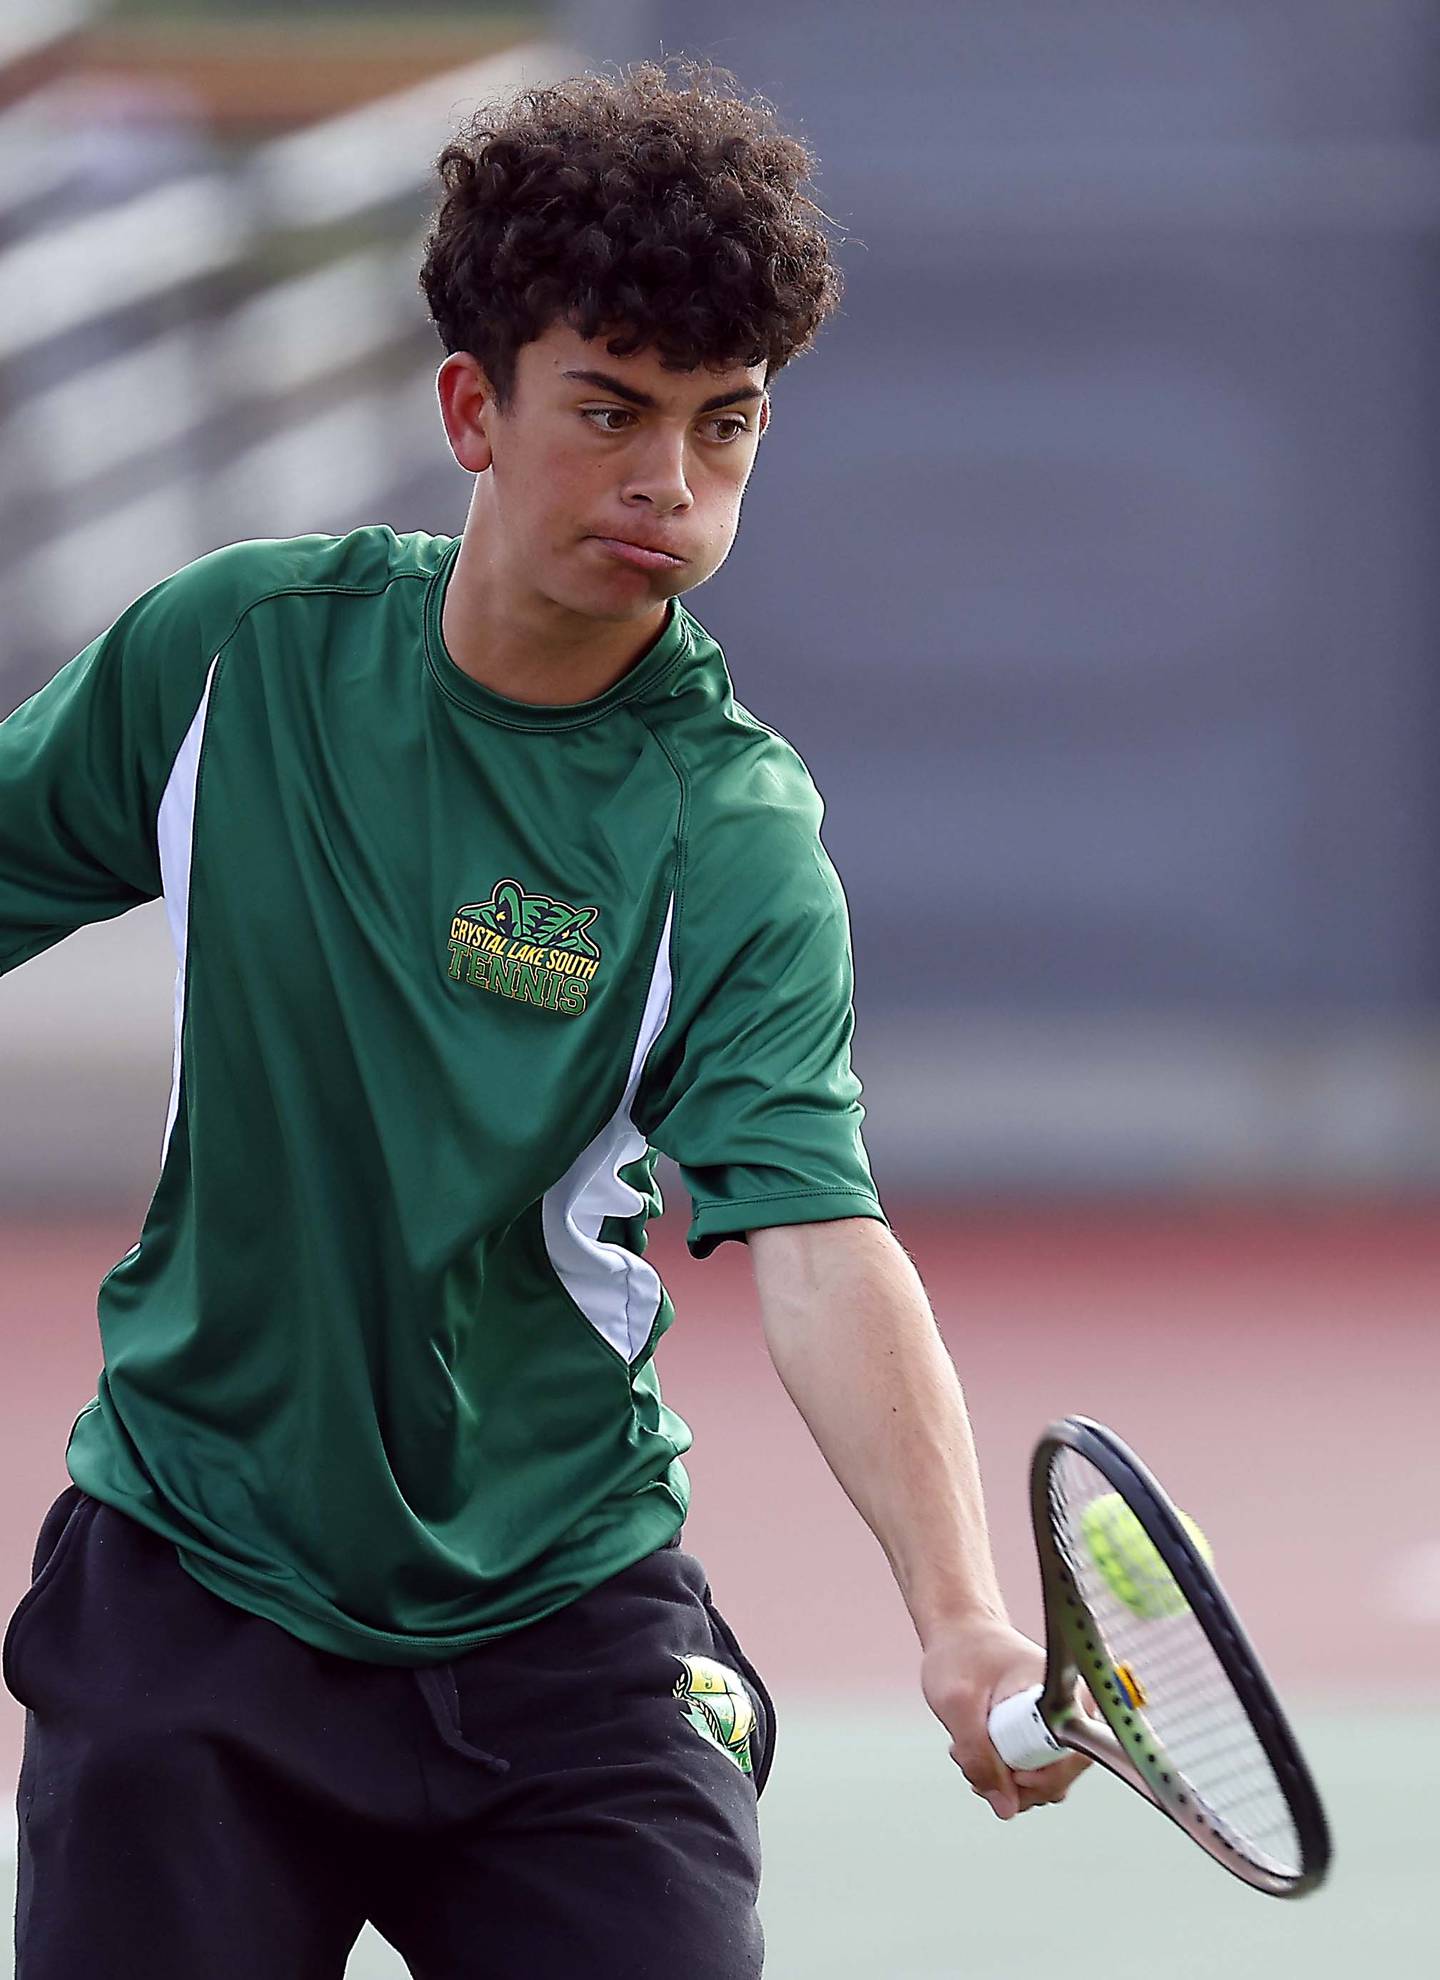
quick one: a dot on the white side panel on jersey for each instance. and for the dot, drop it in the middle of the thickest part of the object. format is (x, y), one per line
(175, 828)
(618, 1293)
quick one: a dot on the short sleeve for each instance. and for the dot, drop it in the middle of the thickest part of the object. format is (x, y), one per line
(752, 1091)
(83, 763)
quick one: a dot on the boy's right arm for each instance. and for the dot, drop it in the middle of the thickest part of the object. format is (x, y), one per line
(83, 767)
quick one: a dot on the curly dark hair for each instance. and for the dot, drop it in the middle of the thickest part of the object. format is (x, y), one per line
(668, 213)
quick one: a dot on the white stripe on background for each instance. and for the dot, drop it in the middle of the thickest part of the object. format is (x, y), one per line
(176, 830)
(618, 1293)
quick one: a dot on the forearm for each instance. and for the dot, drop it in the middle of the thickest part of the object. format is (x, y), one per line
(853, 1338)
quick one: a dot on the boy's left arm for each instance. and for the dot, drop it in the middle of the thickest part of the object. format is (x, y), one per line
(854, 1341)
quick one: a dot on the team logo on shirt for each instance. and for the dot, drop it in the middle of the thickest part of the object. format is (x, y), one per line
(526, 946)
(718, 1706)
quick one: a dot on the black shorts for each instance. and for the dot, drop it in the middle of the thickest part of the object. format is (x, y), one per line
(204, 1794)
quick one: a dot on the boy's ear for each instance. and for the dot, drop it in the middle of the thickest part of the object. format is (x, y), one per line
(467, 405)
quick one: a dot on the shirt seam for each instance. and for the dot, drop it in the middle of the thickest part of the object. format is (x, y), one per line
(788, 1196)
(182, 1113)
(315, 591)
(682, 870)
(682, 832)
(221, 650)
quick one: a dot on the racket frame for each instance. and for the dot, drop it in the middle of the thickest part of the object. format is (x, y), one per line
(1122, 1741)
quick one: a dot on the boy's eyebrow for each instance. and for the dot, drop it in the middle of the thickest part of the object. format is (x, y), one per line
(637, 398)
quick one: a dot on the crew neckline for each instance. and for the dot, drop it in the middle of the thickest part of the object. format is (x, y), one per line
(670, 646)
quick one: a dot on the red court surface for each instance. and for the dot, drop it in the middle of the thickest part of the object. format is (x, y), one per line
(1279, 1371)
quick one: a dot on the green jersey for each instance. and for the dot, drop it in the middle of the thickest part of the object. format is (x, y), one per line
(451, 969)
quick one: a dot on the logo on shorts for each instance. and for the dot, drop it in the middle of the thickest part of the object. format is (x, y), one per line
(525, 946)
(718, 1706)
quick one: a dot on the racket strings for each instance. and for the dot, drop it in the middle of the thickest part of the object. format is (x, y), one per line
(1202, 1734)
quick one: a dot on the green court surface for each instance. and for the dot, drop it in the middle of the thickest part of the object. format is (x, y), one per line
(882, 1866)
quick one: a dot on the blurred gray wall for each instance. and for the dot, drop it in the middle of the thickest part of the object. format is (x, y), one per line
(1089, 559)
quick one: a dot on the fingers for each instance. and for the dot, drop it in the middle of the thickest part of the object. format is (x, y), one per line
(1004, 1801)
(988, 1778)
(1015, 1793)
(1046, 1785)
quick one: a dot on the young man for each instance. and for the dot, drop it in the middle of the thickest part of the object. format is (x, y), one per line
(367, 1598)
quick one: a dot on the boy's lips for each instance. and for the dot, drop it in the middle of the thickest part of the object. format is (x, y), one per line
(640, 556)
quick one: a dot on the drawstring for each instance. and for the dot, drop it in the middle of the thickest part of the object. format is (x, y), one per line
(441, 1693)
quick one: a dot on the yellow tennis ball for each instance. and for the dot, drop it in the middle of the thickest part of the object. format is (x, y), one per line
(1128, 1560)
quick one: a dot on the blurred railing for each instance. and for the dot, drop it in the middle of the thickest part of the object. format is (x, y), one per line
(28, 27)
(187, 365)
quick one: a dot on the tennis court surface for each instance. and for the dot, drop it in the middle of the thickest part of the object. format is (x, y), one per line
(1277, 1370)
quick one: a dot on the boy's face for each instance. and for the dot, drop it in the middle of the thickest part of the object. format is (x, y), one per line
(643, 456)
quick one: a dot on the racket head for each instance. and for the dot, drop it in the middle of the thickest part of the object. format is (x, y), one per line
(1189, 1718)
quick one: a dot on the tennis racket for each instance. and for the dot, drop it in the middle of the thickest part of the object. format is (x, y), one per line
(1188, 1716)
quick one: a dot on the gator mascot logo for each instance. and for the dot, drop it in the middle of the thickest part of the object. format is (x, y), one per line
(525, 946)
(718, 1706)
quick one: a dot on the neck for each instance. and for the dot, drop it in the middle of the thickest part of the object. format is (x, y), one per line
(527, 647)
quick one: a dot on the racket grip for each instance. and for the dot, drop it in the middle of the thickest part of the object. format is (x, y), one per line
(1020, 1735)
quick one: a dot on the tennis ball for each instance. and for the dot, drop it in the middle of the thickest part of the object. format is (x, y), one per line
(1129, 1563)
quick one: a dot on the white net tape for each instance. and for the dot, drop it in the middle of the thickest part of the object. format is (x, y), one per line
(1202, 1733)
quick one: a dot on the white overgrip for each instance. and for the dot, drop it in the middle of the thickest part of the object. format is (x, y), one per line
(1020, 1735)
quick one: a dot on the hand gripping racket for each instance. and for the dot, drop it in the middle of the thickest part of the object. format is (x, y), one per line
(1188, 1716)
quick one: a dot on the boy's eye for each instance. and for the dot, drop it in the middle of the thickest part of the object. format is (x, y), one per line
(600, 414)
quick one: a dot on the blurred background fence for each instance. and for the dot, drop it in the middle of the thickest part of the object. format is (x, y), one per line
(1088, 561)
